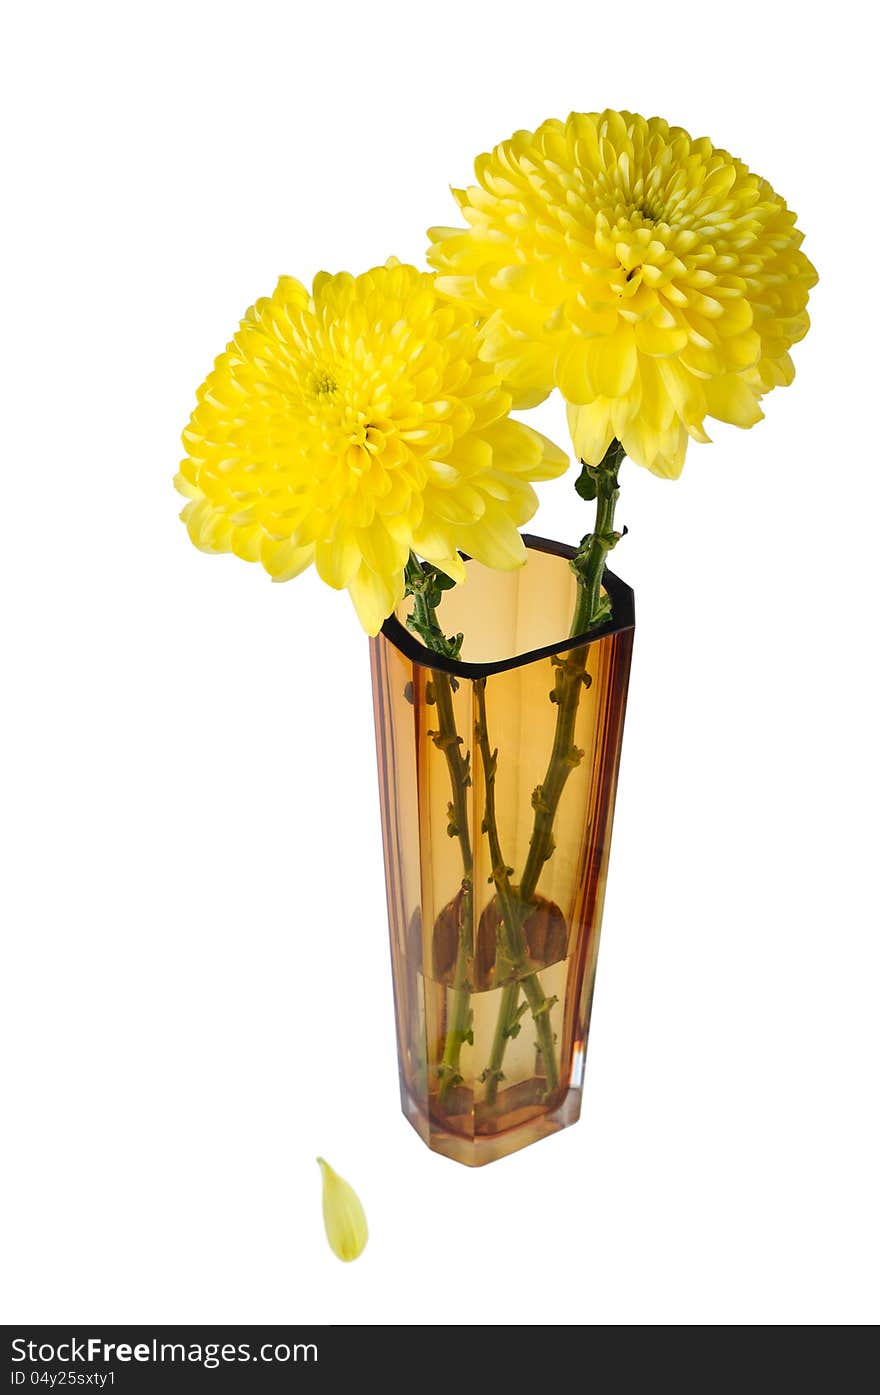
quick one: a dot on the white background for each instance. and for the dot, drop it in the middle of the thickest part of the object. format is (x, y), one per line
(196, 995)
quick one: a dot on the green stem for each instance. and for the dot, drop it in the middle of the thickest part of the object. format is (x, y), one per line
(508, 931)
(589, 564)
(506, 1026)
(571, 677)
(511, 956)
(459, 1022)
(458, 1030)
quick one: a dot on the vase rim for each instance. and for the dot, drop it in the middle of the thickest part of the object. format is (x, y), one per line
(622, 618)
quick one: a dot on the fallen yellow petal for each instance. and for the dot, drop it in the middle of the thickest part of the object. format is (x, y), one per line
(344, 1219)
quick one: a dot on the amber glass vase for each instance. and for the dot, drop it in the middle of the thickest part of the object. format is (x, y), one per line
(497, 776)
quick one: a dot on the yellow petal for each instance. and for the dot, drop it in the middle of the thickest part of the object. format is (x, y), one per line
(662, 451)
(184, 485)
(495, 541)
(344, 1219)
(208, 528)
(372, 598)
(657, 342)
(283, 560)
(514, 445)
(591, 430)
(520, 450)
(382, 552)
(461, 506)
(685, 391)
(451, 564)
(336, 562)
(613, 362)
(554, 460)
(572, 372)
(292, 292)
(730, 399)
(604, 366)
(434, 538)
(247, 542)
(526, 368)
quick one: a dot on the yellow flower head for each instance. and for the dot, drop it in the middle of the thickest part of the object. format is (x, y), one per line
(352, 424)
(649, 276)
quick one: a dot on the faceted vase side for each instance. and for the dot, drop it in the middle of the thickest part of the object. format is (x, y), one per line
(497, 781)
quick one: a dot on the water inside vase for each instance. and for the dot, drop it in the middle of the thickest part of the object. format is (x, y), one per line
(522, 1092)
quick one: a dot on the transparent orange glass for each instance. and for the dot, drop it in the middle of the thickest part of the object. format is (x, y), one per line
(497, 777)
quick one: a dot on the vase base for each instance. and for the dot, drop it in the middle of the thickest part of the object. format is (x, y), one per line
(477, 1149)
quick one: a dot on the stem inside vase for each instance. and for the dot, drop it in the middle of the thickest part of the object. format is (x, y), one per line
(514, 971)
(570, 680)
(426, 591)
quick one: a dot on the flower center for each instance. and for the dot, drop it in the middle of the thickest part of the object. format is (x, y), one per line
(368, 435)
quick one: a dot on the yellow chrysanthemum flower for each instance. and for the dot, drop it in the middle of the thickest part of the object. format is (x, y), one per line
(352, 424)
(649, 276)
